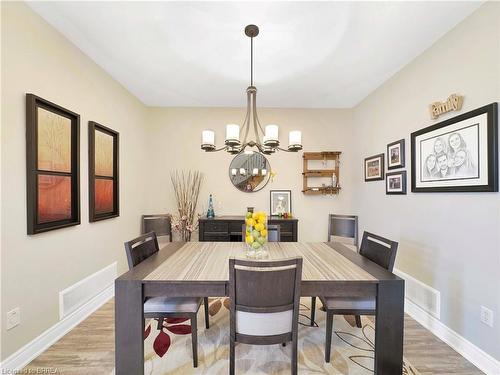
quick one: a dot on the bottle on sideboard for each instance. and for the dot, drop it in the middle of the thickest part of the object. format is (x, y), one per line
(210, 211)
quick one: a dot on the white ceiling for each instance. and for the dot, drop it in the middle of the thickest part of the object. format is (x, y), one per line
(308, 54)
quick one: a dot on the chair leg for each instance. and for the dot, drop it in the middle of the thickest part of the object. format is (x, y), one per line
(194, 339)
(207, 322)
(329, 331)
(313, 310)
(358, 321)
(231, 356)
(294, 354)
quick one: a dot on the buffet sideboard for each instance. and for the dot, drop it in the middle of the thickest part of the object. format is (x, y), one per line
(229, 228)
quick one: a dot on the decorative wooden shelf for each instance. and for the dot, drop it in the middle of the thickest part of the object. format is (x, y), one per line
(314, 173)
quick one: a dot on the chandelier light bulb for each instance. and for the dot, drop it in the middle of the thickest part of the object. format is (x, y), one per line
(208, 140)
(271, 136)
(295, 140)
(232, 135)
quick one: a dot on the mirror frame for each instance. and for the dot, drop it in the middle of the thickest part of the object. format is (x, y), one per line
(268, 176)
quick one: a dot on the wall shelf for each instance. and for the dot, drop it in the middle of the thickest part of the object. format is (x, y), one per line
(328, 157)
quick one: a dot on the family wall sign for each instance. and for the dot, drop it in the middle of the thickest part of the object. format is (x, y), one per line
(453, 103)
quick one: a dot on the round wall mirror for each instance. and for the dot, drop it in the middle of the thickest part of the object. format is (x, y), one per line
(249, 171)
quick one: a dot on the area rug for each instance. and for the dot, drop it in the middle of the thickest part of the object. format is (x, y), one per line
(168, 351)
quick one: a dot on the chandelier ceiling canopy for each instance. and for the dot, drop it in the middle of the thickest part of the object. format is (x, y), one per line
(266, 141)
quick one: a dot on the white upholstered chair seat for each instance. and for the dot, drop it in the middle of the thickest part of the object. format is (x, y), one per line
(172, 304)
(345, 303)
(264, 324)
(347, 241)
(163, 241)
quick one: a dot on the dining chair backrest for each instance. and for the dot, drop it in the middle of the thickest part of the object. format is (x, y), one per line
(273, 232)
(141, 248)
(264, 297)
(343, 228)
(161, 224)
(379, 250)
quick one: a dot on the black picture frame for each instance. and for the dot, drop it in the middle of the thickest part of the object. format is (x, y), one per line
(388, 190)
(380, 177)
(491, 144)
(35, 223)
(288, 192)
(401, 145)
(115, 212)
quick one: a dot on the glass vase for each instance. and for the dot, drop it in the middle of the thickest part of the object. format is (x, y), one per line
(256, 235)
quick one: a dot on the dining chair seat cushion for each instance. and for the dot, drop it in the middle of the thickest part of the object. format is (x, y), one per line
(346, 241)
(346, 303)
(264, 324)
(163, 241)
(172, 304)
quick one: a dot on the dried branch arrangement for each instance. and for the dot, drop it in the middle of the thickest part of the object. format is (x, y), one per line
(187, 186)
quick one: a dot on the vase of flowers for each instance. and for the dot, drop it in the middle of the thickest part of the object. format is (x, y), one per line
(256, 234)
(186, 186)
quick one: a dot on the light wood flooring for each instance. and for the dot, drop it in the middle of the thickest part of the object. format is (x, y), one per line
(89, 349)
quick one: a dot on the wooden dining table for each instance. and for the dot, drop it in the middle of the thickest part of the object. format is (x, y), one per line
(197, 269)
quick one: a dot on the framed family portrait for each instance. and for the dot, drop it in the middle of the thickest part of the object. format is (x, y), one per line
(396, 154)
(395, 183)
(104, 202)
(281, 202)
(457, 155)
(374, 168)
(52, 166)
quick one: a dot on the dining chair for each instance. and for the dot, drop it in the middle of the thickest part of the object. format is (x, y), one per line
(343, 229)
(379, 250)
(273, 233)
(161, 224)
(138, 250)
(264, 304)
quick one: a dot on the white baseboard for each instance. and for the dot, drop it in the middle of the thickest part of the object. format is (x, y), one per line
(469, 351)
(33, 349)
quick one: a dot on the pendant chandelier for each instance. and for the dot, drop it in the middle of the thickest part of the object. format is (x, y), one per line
(266, 141)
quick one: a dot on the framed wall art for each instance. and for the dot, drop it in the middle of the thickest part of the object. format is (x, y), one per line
(396, 154)
(280, 202)
(104, 199)
(457, 155)
(52, 166)
(374, 168)
(395, 183)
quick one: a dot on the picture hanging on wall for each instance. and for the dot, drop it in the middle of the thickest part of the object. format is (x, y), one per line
(395, 183)
(280, 202)
(457, 155)
(374, 168)
(52, 163)
(396, 154)
(104, 200)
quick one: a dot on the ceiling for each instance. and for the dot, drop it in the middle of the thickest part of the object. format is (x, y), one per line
(308, 54)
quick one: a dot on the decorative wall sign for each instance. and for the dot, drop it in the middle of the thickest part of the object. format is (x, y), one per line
(457, 155)
(52, 164)
(280, 202)
(395, 182)
(374, 168)
(396, 154)
(453, 103)
(104, 199)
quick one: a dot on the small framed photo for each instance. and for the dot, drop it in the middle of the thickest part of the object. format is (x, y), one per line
(395, 183)
(457, 155)
(281, 202)
(396, 154)
(374, 168)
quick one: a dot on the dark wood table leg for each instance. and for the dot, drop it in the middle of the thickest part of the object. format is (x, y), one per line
(129, 328)
(389, 325)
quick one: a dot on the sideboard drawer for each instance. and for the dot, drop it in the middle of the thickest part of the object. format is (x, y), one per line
(284, 226)
(215, 226)
(235, 227)
(217, 237)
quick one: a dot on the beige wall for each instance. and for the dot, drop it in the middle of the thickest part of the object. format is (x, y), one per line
(176, 145)
(37, 59)
(448, 241)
